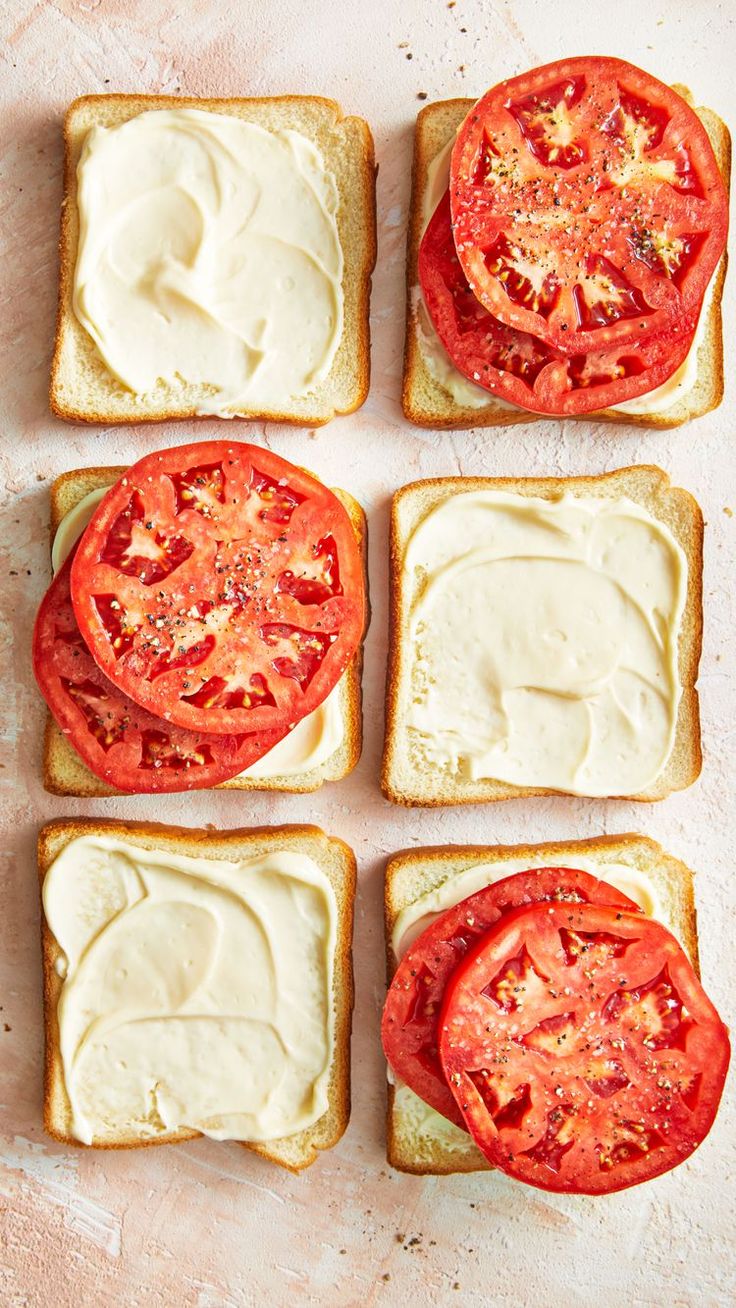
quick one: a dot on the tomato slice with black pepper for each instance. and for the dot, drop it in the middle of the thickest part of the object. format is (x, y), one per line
(221, 588)
(582, 1049)
(587, 204)
(120, 742)
(410, 1027)
(522, 369)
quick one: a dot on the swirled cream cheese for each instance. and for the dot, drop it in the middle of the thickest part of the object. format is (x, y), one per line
(196, 993)
(313, 740)
(464, 392)
(209, 255)
(543, 641)
(427, 1128)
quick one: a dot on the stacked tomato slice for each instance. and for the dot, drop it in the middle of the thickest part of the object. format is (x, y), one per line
(215, 599)
(565, 269)
(566, 1031)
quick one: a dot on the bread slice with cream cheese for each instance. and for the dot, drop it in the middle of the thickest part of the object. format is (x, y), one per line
(335, 861)
(436, 394)
(83, 389)
(410, 778)
(64, 773)
(419, 1140)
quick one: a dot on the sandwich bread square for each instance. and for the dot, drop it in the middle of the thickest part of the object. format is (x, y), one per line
(170, 972)
(305, 132)
(545, 638)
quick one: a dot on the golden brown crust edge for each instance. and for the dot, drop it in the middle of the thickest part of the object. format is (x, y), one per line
(687, 733)
(462, 418)
(67, 411)
(55, 835)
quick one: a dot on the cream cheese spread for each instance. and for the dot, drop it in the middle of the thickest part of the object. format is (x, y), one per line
(209, 255)
(196, 993)
(309, 744)
(464, 392)
(428, 1128)
(542, 645)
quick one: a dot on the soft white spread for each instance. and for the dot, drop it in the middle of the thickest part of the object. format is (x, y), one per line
(464, 392)
(683, 380)
(416, 917)
(196, 993)
(543, 642)
(209, 255)
(440, 365)
(72, 525)
(309, 744)
(425, 1125)
(436, 359)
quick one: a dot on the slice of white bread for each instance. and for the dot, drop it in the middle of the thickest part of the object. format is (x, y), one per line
(64, 773)
(83, 390)
(427, 403)
(406, 780)
(334, 858)
(423, 1143)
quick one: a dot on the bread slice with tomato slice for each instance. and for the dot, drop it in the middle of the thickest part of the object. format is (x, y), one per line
(64, 772)
(419, 1140)
(411, 774)
(427, 393)
(84, 389)
(336, 863)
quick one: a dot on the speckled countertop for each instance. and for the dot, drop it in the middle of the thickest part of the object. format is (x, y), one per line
(207, 1224)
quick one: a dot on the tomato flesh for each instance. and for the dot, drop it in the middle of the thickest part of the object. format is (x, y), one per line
(522, 369)
(581, 1049)
(120, 742)
(410, 1026)
(587, 205)
(221, 588)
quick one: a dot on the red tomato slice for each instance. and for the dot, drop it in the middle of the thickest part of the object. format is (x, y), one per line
(581, 1048)
(221, 588)
(587, 204)
(118, 740)
(410, 1027)
(522, 369)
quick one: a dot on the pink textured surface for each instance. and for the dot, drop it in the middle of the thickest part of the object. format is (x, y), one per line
(208, 1224)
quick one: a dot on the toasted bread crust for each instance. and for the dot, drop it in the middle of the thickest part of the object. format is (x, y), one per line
(294, 1152)
(426, 403)
(668, 503)
(672, 876)
(355, 345)
(66, 775)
